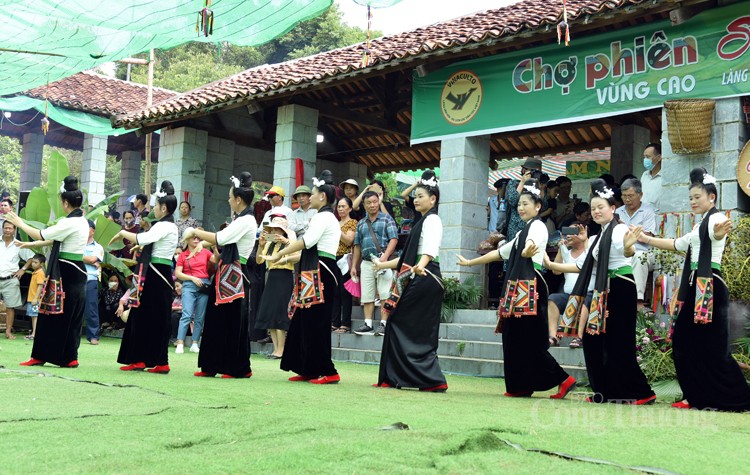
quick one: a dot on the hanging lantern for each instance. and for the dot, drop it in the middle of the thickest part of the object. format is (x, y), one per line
(204, 25)
(564, 25)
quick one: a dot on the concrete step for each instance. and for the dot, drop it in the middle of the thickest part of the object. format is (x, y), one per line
(456, 331)
(481, 317)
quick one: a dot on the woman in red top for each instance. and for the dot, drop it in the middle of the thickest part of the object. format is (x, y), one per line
(193, 272)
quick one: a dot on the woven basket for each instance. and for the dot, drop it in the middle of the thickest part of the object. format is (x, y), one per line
(689, 123)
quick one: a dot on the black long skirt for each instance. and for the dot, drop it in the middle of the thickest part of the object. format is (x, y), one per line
(58, 336)
(308, 344)
(409, 357)
(257, 274)
(146, 335)
(225, 348)
(272, 313)
(708, 375)
(528, 365)
(611, 361)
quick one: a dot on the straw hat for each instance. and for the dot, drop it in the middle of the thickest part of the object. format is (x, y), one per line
(743, 175)
(350, 181)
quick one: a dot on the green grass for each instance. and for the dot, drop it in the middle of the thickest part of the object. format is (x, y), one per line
(108, 421)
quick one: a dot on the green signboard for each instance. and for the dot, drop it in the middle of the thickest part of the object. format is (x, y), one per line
(623, 71)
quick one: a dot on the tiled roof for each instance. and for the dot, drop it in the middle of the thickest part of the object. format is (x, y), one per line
(267, 80)
(97, 94)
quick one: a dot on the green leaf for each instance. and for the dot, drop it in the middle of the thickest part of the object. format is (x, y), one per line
(57, 170)
(105, 231)
(113, 262)
(668, 389)
(24, 236)
(37, 207)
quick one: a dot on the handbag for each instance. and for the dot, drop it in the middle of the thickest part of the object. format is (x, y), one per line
(52, 299)
(399, 284)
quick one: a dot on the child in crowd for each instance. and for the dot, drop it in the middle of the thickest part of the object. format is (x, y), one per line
(35, 291)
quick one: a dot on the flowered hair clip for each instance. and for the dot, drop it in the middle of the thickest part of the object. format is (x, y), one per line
(708, 179)
(160, 194)
(62, 187)
(432, 182)
(235, 181)
(318, 183)
(533, 190)
(606, 193)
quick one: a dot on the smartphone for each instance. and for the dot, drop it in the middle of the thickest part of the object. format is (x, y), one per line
(569, 230)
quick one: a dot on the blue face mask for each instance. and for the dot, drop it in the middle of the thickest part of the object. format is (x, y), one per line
(648, 164)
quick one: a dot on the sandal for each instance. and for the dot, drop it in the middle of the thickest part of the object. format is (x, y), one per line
(553, 341)
(576, 343)
(341, 330)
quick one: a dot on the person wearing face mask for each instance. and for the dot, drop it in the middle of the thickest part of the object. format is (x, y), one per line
(129, 225)
(108, 303)
(651, 180)
(708, 375)
(523, 307)
(609, 341)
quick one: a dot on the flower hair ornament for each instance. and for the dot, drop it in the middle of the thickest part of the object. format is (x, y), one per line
(160, 194)
(533, 190)
(432, 182)
(708, 179)
(62, 186)
(606, 193)
(235, 181)
(317, 183)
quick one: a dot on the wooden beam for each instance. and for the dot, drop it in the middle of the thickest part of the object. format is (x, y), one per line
(537, 152)
(338, 113)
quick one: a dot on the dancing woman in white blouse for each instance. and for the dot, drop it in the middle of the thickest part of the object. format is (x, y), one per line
(708, 375)
(409, 357)
(225, 348)
(145, 341)
(523, 311)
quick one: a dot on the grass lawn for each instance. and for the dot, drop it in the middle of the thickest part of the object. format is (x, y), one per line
(97, 419)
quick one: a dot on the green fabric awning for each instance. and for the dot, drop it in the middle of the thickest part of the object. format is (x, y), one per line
(45, 40)
(76, 120)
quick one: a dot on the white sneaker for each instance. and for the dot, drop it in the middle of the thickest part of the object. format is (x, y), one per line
(180, 349)
(194, 348)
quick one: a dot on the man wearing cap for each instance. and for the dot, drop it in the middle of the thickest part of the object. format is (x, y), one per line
(498, 207)
(276, 197)
(301, 216)
(10, 287)
(531, 168)
(93, 254)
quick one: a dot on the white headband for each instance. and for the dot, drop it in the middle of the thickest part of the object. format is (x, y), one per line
(606, 194)
(431, 182)
(62, 186)
(708, 179)
(235, 181)
(533, 190)
(160, 194)
(318, 183)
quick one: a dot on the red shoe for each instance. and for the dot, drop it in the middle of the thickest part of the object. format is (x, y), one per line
(202, 374)
(299, 377)
(332, 379)
(645, 401)
(32, 362)
(229, 376)
(440, 388)
(382, 385)
(163, 369)
(72, 364)
(681, 405)
(588, 399)
(522, 394)
(133, 367)
(568, 385)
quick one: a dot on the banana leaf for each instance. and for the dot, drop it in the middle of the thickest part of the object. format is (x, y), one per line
(37, 207)
(57, 170)
(668, 389)
(105, 231)
(115, 263)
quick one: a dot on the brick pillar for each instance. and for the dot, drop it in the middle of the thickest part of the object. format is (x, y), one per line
(628, 143)
(31, 165)
(219, 169)
(463, 197)
(93, 166)
(130, 177)
(182, 160)
(296, 133)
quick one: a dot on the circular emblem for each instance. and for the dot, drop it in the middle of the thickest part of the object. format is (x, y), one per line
(461, 97)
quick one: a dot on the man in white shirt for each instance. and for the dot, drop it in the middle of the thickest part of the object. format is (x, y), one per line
(651, 180)
(276, 197)
(93, 255)
(634, 213)
(10, 287)
(301, 216)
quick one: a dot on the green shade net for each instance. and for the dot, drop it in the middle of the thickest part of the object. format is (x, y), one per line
(45, 40)
(80, 121)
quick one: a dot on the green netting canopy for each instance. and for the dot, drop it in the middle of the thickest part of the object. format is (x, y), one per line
(47, 40)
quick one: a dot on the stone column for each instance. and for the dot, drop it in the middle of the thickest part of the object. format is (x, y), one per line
(93, 166)
(130, 178)
(182, 160)
(219, 169)
(463, 198)
(296, 133)
(628, 143)
(31, 165)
